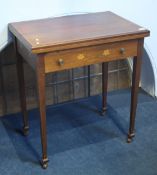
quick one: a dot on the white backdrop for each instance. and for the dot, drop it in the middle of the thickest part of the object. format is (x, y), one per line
(142, 12)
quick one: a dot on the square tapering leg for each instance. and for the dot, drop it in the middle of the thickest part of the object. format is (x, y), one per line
(135, 86)
(40, 70)
(104, 86)
(22, 93)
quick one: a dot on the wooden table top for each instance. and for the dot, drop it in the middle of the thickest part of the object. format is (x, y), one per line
(75, 31)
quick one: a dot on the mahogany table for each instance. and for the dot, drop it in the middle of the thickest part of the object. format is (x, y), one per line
(55, 44)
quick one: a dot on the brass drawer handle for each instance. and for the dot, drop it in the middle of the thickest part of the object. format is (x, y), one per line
(61, 62)
(122, 51)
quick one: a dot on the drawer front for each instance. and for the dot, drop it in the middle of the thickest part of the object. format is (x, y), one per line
(61, 60)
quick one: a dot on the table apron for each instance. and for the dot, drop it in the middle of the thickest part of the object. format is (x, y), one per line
(72, 58)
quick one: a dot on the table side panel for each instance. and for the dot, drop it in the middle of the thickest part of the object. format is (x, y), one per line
(72, 58)
(28, 56)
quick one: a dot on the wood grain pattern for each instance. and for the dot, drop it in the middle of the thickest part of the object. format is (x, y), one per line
(75, 31)
(80, 40)
(104, 86)
(22, 93)
(137, 61)
(89, 55)
(29, 57)
(40, 75)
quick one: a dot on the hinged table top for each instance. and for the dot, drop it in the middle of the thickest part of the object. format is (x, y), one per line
(75, 31)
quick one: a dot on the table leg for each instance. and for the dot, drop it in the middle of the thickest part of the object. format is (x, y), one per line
(89, 81)
(135, 86)
(22, 93)
(4, 102)
(40, 68)
(104, 86)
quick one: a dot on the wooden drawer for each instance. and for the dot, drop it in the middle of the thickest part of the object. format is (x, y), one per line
(61, 60)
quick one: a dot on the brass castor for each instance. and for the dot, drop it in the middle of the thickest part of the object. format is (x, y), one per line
(129, 140)
(44, 163)
(103, 111)
(130, 136)
(25, 130)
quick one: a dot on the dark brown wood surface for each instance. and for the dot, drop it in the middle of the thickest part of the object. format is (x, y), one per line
(74, 31)
(40, 75)
(22, 92)
(61, 60)
(137, 61)
(55, 40)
